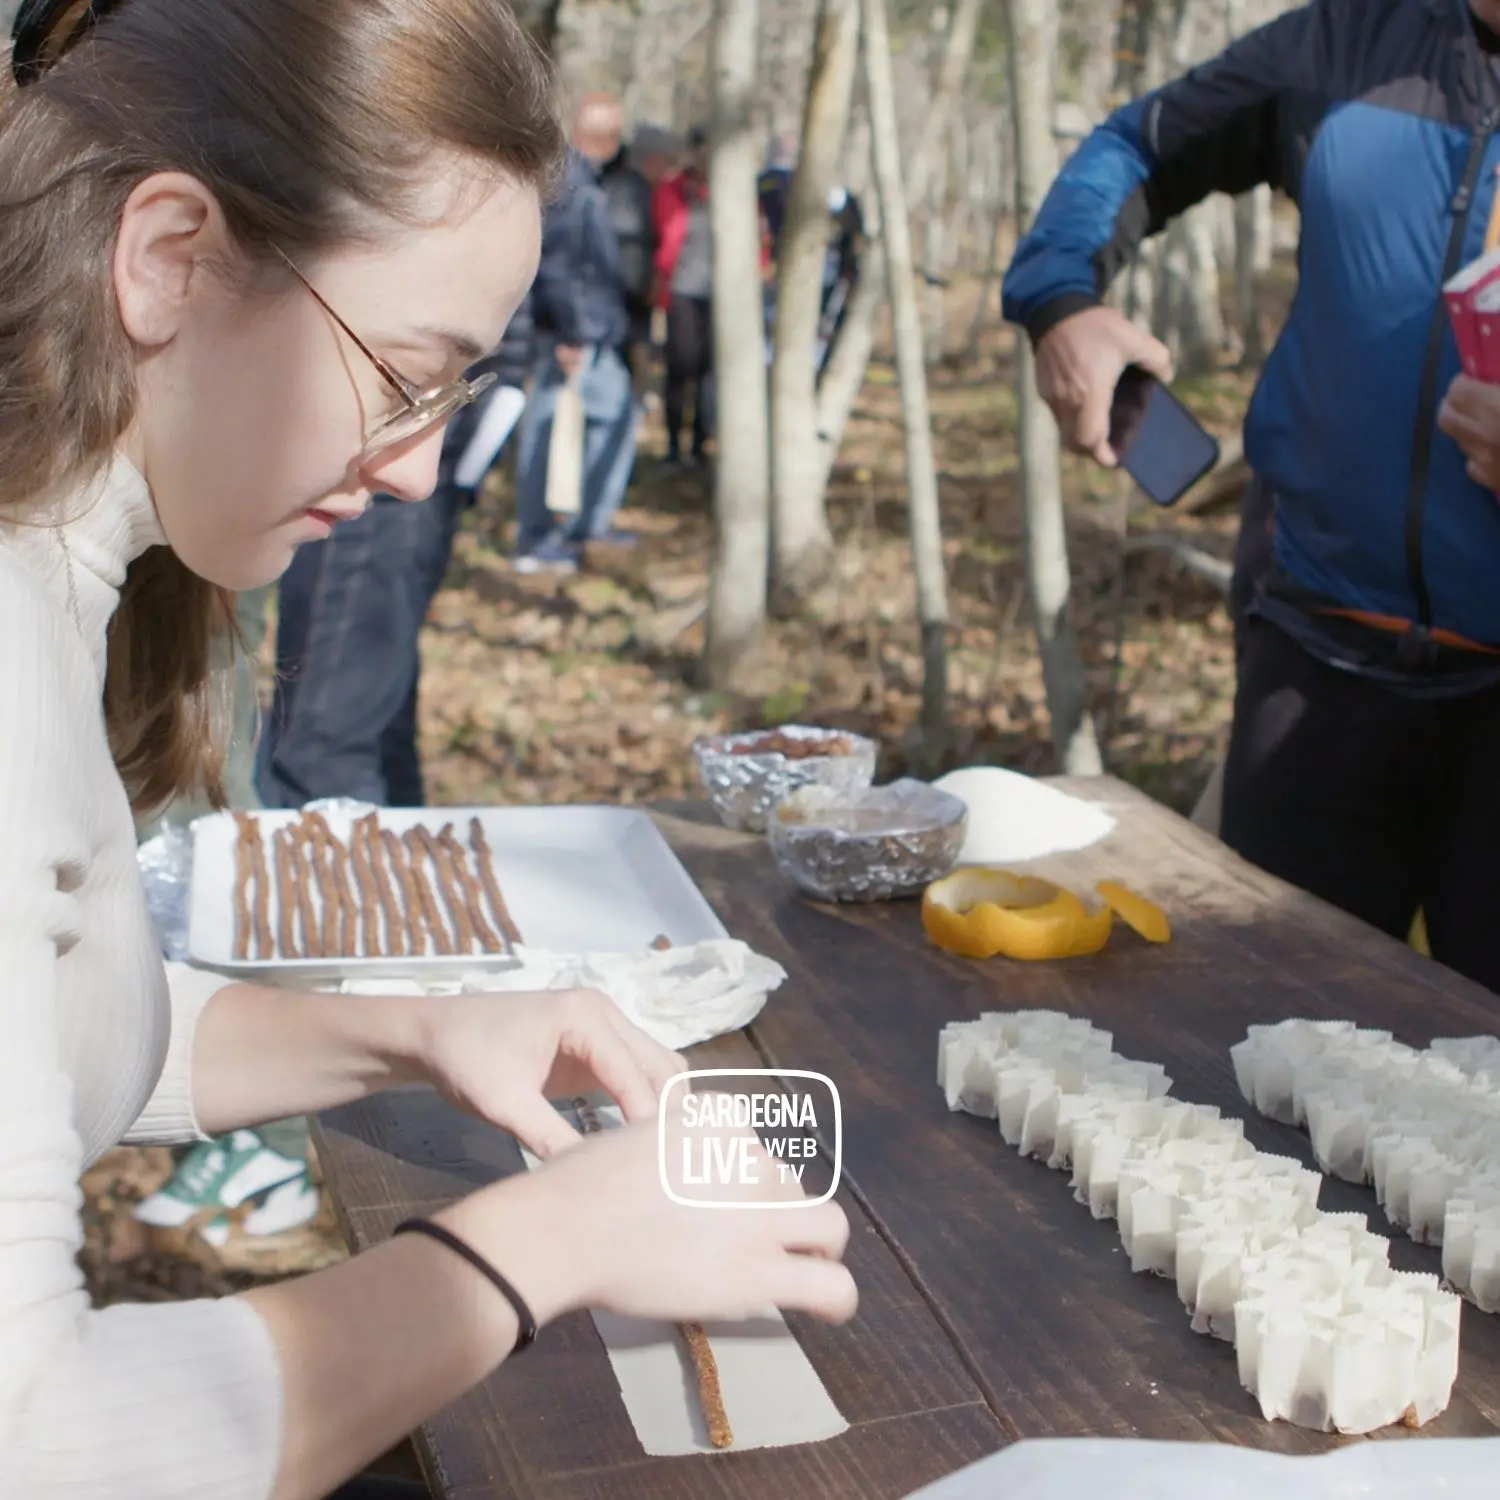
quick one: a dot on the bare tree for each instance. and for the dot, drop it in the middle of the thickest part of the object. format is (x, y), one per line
(802, 543)
(921, 467)
(737, 587)
(851, 355)
(1044, 532)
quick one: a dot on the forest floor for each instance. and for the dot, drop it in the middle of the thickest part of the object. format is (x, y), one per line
(582, 689)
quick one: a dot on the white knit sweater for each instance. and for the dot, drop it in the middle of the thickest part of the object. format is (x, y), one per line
(135, 1402)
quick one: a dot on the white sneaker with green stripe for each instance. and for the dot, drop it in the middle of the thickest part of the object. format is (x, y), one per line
(238, 1173)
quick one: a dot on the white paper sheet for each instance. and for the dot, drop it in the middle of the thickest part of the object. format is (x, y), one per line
(772, 1395)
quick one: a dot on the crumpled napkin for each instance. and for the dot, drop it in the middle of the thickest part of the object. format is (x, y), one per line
(678, 996)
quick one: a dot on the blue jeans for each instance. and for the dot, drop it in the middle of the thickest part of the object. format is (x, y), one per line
(343, 722)
(608, 448)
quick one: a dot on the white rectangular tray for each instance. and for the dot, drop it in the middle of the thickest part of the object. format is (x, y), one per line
(577, 878)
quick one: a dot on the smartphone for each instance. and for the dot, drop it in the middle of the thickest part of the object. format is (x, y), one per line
(1159, 442)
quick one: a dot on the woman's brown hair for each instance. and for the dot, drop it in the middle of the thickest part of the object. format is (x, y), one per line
(307, 119)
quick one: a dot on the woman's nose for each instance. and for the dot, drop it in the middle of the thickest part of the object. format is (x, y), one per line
(410, 471)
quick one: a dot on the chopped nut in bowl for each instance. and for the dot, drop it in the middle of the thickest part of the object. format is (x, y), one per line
(875, 844)
(746, 775)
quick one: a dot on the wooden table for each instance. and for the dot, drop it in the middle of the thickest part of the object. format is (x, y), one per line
(993, 1306)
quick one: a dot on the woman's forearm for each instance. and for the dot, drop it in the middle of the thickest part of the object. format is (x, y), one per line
(265, 1054)
(373, 1347)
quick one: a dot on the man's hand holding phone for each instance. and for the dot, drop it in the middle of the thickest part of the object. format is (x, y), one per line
(1078, 365)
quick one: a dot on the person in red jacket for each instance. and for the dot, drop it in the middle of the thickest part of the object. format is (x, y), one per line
(684, 283)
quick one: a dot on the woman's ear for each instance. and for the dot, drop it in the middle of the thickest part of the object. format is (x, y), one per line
(170, 226)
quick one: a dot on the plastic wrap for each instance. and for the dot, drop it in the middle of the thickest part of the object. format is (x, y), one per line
(871, 845)
(166, 865)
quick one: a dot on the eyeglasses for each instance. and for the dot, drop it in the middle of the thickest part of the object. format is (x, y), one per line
(421, 410)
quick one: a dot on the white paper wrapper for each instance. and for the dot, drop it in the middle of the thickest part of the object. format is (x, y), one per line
(1423, 1128)
(679, 996)
(1327, 1335)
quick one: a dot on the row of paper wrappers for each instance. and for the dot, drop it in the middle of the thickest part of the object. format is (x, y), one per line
(1327, 1333)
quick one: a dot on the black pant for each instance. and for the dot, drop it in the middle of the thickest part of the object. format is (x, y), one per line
(1376, 802)
(343, 719)
(690, 361)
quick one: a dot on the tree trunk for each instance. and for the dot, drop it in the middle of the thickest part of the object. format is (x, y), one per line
(906, 316)
(801, 539)
(1246, 307)
(934, 258)
(1044, 533)
(737, 588)
(851, 355)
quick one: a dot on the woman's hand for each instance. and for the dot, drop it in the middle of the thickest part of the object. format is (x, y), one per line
(1470, 415)
(503, 1056)
(594, 1228)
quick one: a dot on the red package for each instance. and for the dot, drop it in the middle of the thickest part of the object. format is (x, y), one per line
(1473, 301)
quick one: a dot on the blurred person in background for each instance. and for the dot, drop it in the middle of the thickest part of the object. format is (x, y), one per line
(685, 277)
(600, 137)
(583, 326)
(343, 720)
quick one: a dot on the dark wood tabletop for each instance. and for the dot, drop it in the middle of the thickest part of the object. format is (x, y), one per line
(993, 1307)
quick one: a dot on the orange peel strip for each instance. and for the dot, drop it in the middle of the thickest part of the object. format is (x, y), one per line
(979, 913)
(1140, 915)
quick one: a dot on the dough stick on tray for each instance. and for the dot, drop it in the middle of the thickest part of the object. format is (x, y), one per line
(369, 892)
(301, 854)
(242, 868)
(705, 1366)
(348, 908)
(322, 861)
(286, 893)
(491, 885)
(459, 858)
(416, 925)
(453, 896)
(395, 925)
(430, 912)
(264, 946)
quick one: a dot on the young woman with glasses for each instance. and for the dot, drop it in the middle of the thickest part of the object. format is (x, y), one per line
(247, 248)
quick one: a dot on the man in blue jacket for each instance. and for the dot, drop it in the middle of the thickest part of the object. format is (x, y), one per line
(1366, 735)
(582, 328)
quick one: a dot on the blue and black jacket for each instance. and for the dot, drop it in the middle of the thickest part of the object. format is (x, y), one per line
(1378, 118)
(578, 296)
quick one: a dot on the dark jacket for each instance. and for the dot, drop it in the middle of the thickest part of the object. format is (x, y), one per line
(578, 296)
(630, 212)
(1377, 117)
(511, 361)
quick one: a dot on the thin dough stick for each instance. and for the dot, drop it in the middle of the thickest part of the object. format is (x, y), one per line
(242, 863)
(286, 893)
(264, 947)
(369, 892)
(700, 1351)
(348, 902)
(323, 868)
(472, 898)
(416, 925)
(491, 885)
(434, 918)
(395, 927)
(448, 885)
(312, 943)
(710, 1393)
